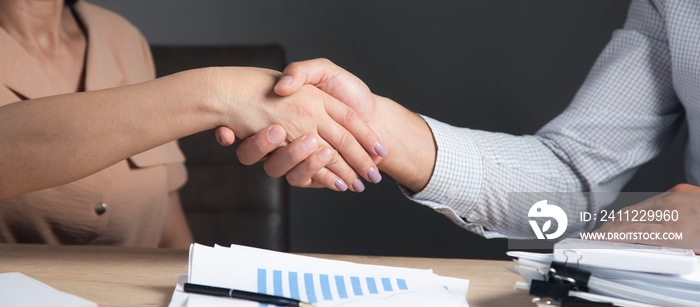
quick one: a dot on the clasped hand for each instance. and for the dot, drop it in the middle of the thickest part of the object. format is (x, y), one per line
(309, 136)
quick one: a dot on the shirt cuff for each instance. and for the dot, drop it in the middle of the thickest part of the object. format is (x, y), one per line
(457, 179)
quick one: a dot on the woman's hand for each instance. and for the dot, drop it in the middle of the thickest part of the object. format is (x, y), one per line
(311, 121)
(684, 199)
(267, 143)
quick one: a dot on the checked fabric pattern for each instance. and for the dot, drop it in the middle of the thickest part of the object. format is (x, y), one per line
(626, 112)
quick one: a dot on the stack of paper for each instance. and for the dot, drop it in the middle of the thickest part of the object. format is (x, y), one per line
(318, 281)
(644, 279)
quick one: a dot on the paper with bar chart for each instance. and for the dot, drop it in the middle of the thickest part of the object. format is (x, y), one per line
(318, 281)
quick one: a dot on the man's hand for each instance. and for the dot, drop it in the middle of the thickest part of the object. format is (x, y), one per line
(335, 81)
(683, 198)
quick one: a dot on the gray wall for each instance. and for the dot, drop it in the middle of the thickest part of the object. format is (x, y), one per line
(503, 65)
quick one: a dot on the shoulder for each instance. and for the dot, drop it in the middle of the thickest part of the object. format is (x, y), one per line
(113, 39)
(105, 20)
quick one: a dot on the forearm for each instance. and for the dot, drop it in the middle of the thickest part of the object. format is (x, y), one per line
(54, 140)
(412, 149)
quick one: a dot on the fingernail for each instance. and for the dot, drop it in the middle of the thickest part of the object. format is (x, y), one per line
(374, 175)
(358, 185)
(286, 81)
(276, 134)
(309, 143)
(380, 149)
(218, 137)
(340, 184)
(325, 154)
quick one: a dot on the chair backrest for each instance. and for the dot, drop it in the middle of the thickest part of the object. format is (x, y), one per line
(226, 202)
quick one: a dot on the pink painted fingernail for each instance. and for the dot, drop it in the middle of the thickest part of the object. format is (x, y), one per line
(309, 143)
(374, 175)
(340, 184)
(276, 134)
(380, 149)
(358, 185)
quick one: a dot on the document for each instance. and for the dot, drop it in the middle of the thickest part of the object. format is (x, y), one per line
(626, 256)
(319, 281)
(17, 289)
(633, 285)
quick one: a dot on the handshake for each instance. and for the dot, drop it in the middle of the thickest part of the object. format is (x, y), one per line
(322, 126)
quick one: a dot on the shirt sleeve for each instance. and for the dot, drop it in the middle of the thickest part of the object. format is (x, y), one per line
(625, 113)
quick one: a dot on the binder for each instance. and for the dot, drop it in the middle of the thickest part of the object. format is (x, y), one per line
(626, 256)
(576, 282)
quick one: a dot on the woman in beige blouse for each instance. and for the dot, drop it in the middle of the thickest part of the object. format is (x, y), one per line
(87, 134)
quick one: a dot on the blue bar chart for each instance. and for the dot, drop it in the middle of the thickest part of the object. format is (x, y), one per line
(322, 282)
(314, 287)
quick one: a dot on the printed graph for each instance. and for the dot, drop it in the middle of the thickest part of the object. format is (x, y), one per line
(314, 288)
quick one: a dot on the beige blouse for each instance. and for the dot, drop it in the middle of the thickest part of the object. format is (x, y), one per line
(124, 204)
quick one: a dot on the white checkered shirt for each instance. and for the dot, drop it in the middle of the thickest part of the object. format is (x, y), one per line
(627, 111)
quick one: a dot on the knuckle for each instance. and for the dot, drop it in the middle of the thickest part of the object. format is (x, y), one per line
(670, 198)
(295, 180)
(345, 139)
(335, 160)
(370, 135)
(682, 187)
(295, 152)
(326, 179)
(325, 61)
(334, 157)
(252, 150)
(366, 162)
(297, 129)
(271, 170)
(297, 155)
(349, 116)
(292, 67)
(675, 197)
(308, 101)
(243, 157)
(313, 165)
(341, 169)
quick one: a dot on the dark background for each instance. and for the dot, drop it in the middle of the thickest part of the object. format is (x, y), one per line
(505, 65)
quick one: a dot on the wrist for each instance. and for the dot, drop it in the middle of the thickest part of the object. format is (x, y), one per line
(174, 106)
(194, 92)
(240, 98)
(215, 101)
(412, 148)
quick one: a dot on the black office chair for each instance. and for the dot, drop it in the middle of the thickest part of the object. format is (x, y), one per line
(226, 202)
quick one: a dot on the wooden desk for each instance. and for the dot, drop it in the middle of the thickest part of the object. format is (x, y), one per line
(115, 276)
